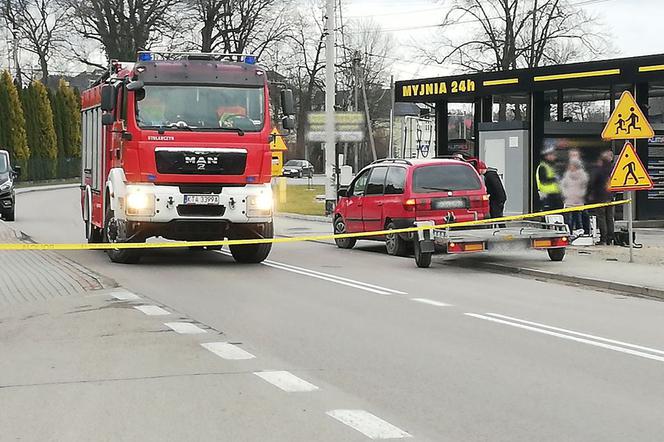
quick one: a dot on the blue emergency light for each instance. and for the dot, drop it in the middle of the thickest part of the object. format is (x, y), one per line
(250, 59)
(145, 56)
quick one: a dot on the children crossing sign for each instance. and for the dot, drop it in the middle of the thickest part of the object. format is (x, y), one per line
(627, 121)
(629, 173)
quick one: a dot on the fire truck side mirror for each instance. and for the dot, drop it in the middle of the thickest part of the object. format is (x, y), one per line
(288, 122)
(107, 119)
(287, 102)
(107, 98)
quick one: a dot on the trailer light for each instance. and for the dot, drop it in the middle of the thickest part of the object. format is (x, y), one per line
(139, 201)
(473, 247)
(542, 243)
(144, 56)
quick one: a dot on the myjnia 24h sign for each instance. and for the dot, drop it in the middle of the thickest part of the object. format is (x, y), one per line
(349, 127)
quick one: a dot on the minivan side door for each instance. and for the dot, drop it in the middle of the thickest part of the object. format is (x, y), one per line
(354, 202)
(393, 200)
(372, 212)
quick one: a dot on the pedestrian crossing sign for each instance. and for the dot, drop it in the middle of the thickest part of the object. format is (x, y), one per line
(627, 121)
(629, 173)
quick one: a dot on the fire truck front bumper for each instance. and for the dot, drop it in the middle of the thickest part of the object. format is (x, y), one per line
(190, 205)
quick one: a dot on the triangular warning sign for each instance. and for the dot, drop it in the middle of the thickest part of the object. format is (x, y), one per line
(627, 121)
(277, 142)
(629, 173)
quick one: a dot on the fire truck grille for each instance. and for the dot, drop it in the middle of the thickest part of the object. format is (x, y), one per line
(201, 210)
(203, 162)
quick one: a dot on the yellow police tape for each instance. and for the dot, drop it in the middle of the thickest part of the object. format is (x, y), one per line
(232, 242)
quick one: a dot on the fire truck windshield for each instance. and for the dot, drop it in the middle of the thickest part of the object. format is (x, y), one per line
(206, 108)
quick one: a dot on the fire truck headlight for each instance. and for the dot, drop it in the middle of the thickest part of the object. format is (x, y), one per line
(139, 201)
(259, 205)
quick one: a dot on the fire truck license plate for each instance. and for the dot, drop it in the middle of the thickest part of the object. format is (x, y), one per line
(202, 200)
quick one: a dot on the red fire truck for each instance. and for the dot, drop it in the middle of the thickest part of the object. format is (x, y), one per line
(176, 145)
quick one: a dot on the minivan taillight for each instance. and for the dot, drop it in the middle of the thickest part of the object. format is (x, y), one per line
(412, 204)
(479, 200)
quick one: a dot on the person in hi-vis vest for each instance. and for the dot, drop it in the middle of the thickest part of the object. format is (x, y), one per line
(548, 184)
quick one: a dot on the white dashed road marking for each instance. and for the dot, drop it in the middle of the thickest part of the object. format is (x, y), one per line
(184, 328)
(430, 302)
(124, 295)
(152, 310)
(227, 351)
(368, 424)
(594, 340)
(286, 381)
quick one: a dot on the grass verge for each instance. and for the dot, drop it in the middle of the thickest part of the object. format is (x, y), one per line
(300, 200)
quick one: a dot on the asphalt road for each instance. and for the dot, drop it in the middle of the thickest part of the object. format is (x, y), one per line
(444, 354)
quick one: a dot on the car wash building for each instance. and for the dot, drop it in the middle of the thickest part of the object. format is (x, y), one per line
(508, 118)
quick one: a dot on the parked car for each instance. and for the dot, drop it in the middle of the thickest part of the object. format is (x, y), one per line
(7, 177)
(394, 193)
(298, 169)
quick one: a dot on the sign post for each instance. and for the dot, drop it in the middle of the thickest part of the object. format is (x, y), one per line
(628, 122)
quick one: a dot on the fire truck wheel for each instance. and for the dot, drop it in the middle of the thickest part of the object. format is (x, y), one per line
(96, 235)
(556, 254)
(252, 253)
(120, 256)
(422, 259)
(395, 244)
(340, 227)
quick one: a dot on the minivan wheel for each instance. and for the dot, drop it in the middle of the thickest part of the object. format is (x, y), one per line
(340, 228)
(395, 244)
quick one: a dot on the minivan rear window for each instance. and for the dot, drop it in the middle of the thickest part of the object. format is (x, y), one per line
(444, 178)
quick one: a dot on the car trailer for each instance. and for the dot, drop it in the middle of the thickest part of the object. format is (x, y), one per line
(551, 235)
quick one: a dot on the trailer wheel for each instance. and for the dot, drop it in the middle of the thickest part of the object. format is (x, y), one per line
(422, 259)
(120, 256)
(556, 254)
(253, 253)
(9, 215)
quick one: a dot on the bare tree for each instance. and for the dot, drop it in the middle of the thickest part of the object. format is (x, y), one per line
(39, 24)
(122, 27)
(305, 64)
(239, 26)
(509, 34)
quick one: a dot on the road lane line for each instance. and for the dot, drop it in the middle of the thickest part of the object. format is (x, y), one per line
(324, 278)
(571, 338)
(341, 278)
(184, 328)
(368, 424)
(286, 381)
(152, 310)
(328, 277)
(430, 302)
(124, 295)
(226, 350)
(585, 335)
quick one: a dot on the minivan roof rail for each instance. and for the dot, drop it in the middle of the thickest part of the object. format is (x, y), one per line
(393, 160)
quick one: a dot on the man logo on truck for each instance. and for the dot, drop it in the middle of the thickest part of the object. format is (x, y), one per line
(201, 162)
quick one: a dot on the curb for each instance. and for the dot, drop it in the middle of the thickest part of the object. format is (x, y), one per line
(315, 218)
(635, 290)
(47, 188)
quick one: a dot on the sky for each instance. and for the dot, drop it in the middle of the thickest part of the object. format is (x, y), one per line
(634, 26)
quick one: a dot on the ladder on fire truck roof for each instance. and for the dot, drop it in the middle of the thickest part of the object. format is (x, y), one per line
(215, 56)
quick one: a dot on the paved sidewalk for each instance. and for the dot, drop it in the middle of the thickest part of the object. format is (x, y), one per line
(37, 275)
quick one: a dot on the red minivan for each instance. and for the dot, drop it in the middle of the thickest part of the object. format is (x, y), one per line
(394, 193)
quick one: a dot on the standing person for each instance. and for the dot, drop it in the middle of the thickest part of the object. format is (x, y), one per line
(495, 189)
(574, 188)
(547, 181)
(598, 193)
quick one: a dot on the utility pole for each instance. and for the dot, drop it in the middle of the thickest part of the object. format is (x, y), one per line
(330, 136)
(390, 148)
(368, 117)
(356, 81)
